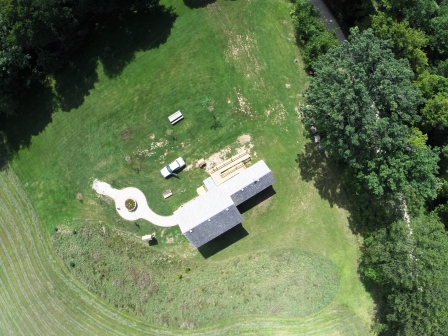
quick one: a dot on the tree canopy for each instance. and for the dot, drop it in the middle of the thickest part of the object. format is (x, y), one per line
(406, 41)
(407, 261)
(364, 104)
(37, 37)
(410, 262)
(311, 33)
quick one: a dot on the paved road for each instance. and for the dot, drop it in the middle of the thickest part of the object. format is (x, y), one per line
(143, 211)
(329, 19)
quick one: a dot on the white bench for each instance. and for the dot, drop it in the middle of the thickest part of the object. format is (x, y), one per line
(175, 117)
(149, 237)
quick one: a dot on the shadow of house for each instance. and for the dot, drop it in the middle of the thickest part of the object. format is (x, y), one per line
(223, 241)
(257, 199)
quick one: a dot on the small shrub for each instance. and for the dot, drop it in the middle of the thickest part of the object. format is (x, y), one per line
(187, 269)
(72, 264)
(179, 276)
(74, 231)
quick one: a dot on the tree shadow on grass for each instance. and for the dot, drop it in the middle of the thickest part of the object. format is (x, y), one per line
(31, 119)
(366, 211)
(113, 44)
(198, 3)
(223, 241)
(326, 175)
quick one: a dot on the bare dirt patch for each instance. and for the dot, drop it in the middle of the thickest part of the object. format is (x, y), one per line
(242, 48)
(217, 158)
(151, 151)
(244, 104)
(276, 112)
(245, 138)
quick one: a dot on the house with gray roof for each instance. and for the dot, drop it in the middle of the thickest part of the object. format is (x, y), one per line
(215, 212)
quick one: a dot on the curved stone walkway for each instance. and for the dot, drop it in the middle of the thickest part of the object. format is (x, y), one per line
(143, 211)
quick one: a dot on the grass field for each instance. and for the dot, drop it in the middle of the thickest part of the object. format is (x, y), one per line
(292, 267)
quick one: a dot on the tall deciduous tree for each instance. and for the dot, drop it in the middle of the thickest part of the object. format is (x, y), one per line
(417, 12)
(410, 262)
(364, 104)
(435, 112)
(439, 36)
(406, 41)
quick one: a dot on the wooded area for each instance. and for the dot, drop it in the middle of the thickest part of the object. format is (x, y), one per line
(38, 37)
(380, 103)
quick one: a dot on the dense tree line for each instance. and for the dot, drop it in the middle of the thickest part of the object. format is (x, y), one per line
(37, 37)
(365, 105)
(311, 34)
(380, 104)
(409, 261)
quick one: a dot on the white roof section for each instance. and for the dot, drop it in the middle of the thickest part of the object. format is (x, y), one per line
(201, 209)
(217, 199)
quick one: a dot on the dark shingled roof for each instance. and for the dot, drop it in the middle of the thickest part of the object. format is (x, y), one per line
(215, 226)
(213, 213)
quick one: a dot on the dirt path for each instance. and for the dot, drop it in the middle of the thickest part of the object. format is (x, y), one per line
(329, 20)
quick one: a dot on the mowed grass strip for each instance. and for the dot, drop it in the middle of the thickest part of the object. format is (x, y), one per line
(38, 297)
(238, 57)
(69, 310)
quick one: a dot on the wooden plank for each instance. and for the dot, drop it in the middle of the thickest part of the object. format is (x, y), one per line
(243, 156)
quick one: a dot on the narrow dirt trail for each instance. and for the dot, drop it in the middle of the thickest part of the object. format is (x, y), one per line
(329, 20)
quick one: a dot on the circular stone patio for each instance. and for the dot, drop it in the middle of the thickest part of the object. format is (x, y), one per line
(143, 211)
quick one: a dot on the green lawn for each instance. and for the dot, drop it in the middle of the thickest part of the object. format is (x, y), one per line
(292, 267)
